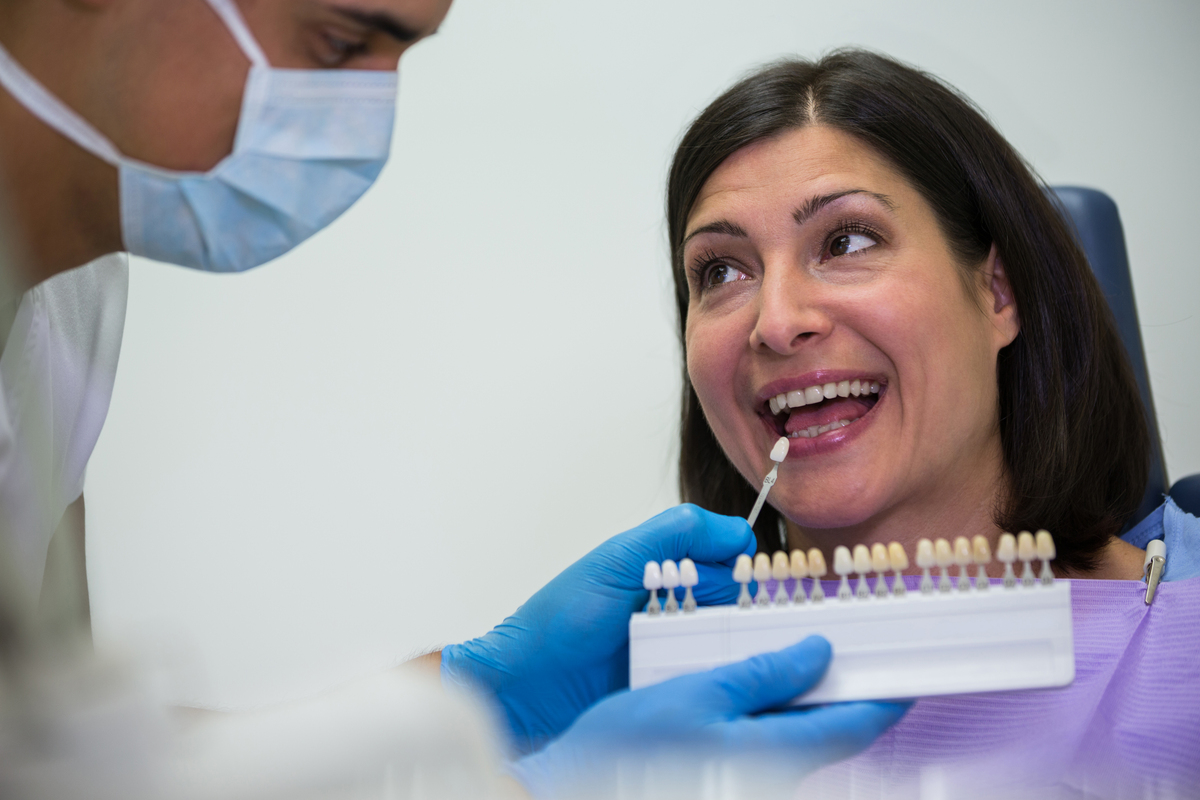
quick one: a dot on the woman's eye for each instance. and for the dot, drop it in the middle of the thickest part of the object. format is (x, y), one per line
(846, 243)
(718, 274)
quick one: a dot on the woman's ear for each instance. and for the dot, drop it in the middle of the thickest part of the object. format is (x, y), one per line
(1000, 304)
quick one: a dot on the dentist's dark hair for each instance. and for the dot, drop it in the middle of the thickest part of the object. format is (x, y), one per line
(1074, 433)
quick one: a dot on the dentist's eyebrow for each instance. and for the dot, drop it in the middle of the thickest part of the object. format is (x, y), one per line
(814, 204)
(721, 226)
(383, 22)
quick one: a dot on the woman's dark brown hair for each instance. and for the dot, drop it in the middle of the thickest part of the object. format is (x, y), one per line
(1074, 434)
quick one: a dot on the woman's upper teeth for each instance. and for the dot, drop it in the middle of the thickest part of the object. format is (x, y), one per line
(827, 391)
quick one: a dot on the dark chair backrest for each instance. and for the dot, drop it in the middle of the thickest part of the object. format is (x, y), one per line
(1098, 226)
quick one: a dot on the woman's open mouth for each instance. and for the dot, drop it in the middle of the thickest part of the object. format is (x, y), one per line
(817, 410)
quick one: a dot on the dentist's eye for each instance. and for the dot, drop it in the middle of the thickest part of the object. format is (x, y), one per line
(333, 48)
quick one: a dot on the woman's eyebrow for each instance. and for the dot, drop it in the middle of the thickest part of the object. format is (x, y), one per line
(814, 204)
(720, 226)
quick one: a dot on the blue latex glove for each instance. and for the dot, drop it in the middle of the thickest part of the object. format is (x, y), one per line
(568, 646)
(694, 718)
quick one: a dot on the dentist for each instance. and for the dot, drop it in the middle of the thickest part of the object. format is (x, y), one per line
(219, 135)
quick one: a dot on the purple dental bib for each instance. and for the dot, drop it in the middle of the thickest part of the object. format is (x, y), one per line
(1129, 725)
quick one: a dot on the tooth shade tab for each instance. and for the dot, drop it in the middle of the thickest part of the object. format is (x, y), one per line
(799, 566)
(925, 557)
(898, 556)
(762, 567)
(743, 569)
(781, 568)
(688, 575)
(1045, 546)
(879, 558)
(652, 578)
(670, 574)
(862, 559)
(1026, 549)
(981, 550)
(943, 553)
(843, 562)
(1006, 552)
(816, 563)
(962, 551)
(813, 394)
(780, 450)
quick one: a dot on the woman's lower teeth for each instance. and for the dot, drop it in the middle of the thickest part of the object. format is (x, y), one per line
(817, 430)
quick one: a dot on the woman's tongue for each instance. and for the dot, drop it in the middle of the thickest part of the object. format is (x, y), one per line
(828, 411)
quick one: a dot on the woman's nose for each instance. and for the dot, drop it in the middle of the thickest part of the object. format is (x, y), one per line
(788, 315)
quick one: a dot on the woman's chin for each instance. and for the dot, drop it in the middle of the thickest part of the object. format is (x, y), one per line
(826, 511)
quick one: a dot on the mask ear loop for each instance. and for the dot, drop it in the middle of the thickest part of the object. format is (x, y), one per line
(232, 17)
(38, 100)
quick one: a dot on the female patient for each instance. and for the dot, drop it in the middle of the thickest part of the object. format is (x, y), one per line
(855, 222)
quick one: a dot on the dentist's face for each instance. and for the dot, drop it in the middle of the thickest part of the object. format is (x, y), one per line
(175, 92)
(813, 263)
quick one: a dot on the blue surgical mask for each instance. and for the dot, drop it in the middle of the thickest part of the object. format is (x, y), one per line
(308, 144)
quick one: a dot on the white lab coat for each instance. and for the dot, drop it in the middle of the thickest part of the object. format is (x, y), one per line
(56, 379)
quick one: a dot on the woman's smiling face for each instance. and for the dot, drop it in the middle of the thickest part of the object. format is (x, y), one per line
(812, 263)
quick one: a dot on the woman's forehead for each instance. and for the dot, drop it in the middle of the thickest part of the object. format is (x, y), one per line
(780, 173)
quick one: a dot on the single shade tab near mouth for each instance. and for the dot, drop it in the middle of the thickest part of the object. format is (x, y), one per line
(808, 413)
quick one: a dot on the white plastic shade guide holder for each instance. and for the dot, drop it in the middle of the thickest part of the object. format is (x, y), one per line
(907, 645)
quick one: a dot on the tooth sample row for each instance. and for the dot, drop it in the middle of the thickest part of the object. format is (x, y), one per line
(880, 559)
(941, 554)
(1026, 547)
(815, 394)
(670, 575)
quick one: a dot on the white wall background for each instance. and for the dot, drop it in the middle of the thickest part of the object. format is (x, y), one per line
(389, 438)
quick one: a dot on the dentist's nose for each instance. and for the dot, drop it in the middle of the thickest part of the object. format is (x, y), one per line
(789, 314)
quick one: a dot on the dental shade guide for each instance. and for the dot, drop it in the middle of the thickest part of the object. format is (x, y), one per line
(962, 557)
(880, 564)
(925, 562)
(843, 565)
(817, 570)
(1047, 553)
(762, 574)
(886, 645)
(1006, 553)
(1027, 552)
(981, 552)
(945, 557)
(688, 577)
(670, 579)
(799, 570)
(899, 560)
(743, 573)
(652, 581)
(781, 568)
(778, 454)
